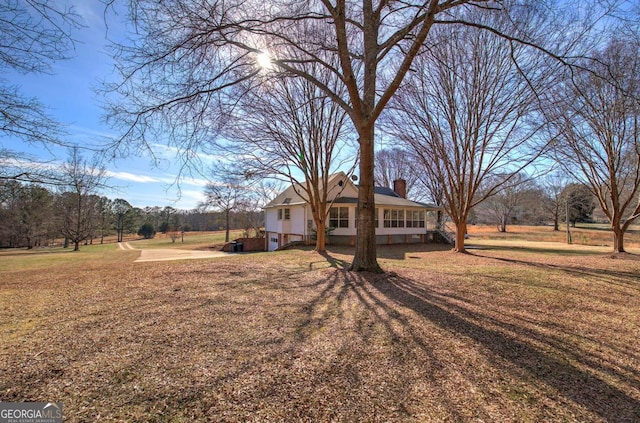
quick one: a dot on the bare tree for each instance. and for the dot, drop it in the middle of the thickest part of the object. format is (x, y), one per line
(173, 220)
(599, 126)
(167, 219)
(25, 214)
(553, 184)
(77, 205)
(290, 129)
(175, 76)
(105, 216)
(262, 192)
(396, 163)
(35, 33)
(225, 197)
(509, 201)
(122, 211)
(208, 52)
(467, 114)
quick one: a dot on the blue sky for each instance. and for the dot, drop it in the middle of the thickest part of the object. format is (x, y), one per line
(69, 96)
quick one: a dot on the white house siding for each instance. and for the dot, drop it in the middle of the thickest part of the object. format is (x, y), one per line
(349, 191)
(271, 220)
(398, 235)
(298, 221)
(283, 231)
(271, 228)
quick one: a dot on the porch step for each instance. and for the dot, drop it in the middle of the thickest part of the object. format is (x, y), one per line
(448, 236)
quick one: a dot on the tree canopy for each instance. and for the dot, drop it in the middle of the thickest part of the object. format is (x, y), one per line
(178, 73)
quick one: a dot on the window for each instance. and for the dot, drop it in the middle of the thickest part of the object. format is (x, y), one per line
(393, 218)
(339, 217)
(415, 219)
(285, 212)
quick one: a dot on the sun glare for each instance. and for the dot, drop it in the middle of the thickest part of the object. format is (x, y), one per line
(264, 60)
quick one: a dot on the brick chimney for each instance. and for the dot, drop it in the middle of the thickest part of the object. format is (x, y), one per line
(400, 187)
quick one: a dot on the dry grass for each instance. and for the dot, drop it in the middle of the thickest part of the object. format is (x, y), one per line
(190, 241)
(503, 334)
(584, 234)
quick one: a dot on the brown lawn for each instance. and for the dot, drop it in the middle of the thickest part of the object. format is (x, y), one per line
(524, 334)
(583, 234)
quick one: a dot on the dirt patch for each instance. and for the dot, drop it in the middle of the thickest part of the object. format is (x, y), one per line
(168, 254)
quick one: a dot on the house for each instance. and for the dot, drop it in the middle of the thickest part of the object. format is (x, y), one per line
(398, 220)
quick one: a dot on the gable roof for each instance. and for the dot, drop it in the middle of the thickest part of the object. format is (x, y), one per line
(290, 197)
(383, 196)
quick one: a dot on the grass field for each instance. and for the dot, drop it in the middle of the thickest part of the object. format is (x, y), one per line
(517, 330)
(584, 234)
(190, 241)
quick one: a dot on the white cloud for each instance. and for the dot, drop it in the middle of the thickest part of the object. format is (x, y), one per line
(126, 176)
(169, 152)
(197, 182)
(190, 199)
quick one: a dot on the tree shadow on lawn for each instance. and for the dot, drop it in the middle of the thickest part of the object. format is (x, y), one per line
(580, 386)
(333, 261)
(386, 251)
(268, 365)
(627, 279)
(564, 252)
(409, 251)
(362, 396)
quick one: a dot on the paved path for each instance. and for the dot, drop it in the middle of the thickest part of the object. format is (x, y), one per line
(170, 253)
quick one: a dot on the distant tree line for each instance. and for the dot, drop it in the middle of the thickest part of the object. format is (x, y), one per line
(531, 203)
(33, 215)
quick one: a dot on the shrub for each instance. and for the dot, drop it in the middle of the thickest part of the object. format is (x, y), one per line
(147, 231)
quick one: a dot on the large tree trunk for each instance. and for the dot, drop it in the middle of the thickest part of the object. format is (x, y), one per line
(319, 214)
(618, 239)
(364, 258)
(461, 232)
(320, 235)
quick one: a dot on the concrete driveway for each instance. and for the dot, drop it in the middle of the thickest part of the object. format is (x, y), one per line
(165, 254)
